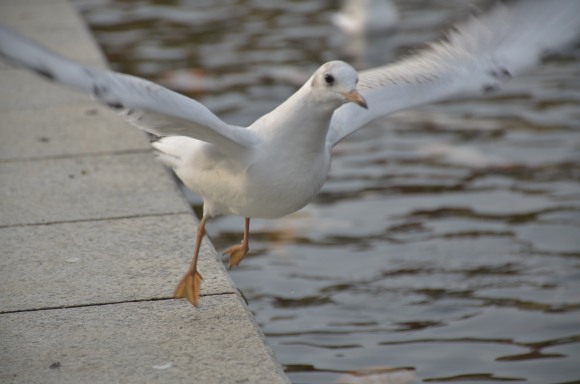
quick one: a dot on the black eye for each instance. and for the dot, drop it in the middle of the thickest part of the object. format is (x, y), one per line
(329, 79)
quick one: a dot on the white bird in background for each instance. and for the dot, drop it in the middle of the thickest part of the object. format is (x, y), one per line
(366, 16)
(279, 163)
(366, 26)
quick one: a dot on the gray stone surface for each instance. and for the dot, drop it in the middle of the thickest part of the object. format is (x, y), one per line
(94, 236)
(83, 188)
(29, 91)
(54, 24)
(148, 342)
(102, 261)
(66, 131)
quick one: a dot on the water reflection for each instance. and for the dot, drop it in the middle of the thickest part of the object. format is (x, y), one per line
(445, 246)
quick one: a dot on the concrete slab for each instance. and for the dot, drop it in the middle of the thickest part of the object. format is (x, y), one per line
(29, 91)
(86, 188)
(54, 24)
(66, 131)
(94, 236)
(106, 261)
(145, 342)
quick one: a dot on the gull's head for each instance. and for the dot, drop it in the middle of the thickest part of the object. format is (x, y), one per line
(334, 84)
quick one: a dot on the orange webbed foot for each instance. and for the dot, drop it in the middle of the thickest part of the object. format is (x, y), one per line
(236, 254)
(189, 287)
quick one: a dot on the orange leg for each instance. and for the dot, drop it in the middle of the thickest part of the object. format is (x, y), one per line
(237, 252)
(190, 284)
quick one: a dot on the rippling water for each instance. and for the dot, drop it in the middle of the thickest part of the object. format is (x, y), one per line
(445, 246)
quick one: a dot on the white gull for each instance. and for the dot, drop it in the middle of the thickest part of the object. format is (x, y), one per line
(279, 163)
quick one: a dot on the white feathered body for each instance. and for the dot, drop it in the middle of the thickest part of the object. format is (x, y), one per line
(280, 176)
(279, 163)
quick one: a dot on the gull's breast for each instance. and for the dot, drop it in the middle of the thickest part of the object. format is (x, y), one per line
(279, 188)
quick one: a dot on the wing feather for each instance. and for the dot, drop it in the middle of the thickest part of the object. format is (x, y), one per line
(144, 104)
(475, 59)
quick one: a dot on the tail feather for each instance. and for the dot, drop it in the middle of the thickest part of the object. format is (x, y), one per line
(172, 150)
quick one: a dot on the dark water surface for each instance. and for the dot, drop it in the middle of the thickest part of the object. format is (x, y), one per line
(445, 246)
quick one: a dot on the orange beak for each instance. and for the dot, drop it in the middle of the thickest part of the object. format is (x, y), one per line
(355, 97)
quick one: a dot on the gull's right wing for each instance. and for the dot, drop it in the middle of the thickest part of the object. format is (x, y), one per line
(475, 58)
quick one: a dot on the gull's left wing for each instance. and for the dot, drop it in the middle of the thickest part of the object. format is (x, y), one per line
(144, 104)
(475, 59)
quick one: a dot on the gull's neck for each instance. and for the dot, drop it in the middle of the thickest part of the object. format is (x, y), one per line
(301, 122)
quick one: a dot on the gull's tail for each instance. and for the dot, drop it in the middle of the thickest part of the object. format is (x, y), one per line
(172, 150)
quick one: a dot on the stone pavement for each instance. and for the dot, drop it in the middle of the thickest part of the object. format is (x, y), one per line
(94, 235)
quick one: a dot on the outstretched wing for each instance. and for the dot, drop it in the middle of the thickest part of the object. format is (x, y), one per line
(144, 104)
(475, 58)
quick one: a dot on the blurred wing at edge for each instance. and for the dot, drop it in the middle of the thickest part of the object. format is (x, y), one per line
(474, 59)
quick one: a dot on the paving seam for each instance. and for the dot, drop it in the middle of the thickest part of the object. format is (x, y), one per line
(188, 213)
(75, 156)
(151, 299)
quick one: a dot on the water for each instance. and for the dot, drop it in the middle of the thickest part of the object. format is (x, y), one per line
(445, 246)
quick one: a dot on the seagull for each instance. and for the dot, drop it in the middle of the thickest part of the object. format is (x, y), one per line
(279, 163)
(367, 27)
(357, 17)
